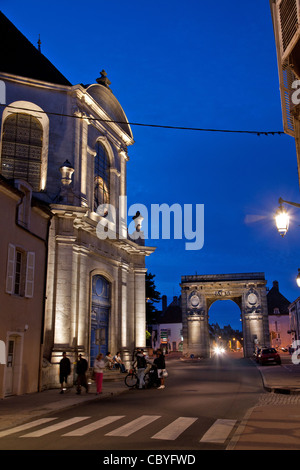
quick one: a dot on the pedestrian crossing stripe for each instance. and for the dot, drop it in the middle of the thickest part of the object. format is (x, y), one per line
(219, 431)
(56, 427)
(171, 432)
(24, 427)
(133, 426)
(100, 423)
(216, 434)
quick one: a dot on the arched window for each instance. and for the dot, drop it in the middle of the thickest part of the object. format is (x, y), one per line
(101, 176)
(22, 143)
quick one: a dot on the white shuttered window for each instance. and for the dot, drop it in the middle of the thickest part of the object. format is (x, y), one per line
(20, 272)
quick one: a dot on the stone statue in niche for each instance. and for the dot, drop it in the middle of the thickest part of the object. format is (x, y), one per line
(195, 303)
(252, 301)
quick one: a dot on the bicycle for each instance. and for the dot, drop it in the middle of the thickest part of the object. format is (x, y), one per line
(132, 380)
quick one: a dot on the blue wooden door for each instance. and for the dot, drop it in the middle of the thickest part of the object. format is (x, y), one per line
(101, 292)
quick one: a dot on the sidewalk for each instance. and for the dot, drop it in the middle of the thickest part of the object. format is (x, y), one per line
(16, 410)
(274, 423)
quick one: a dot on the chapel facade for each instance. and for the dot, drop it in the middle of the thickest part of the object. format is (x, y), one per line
(69, 143)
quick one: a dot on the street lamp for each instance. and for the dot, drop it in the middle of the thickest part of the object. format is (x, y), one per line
(282, 218)
(298, 278)
(66, 171)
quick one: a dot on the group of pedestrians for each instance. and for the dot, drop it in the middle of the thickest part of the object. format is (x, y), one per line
(65, 371)
(100, 364)
(115, 362)
(143, 364)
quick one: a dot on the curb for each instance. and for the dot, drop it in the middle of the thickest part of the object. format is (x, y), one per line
(283, 391)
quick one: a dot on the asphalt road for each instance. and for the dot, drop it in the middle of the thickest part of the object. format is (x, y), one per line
(200, 408)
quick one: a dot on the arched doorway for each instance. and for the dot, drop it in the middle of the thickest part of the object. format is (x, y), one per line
(100, 312)
(225, 312)
(225, 325)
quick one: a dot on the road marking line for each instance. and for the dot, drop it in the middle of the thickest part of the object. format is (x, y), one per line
(93, 426)
(23, 427)
(133, 426)
(219, 431)
(173, 430)
(56, 427)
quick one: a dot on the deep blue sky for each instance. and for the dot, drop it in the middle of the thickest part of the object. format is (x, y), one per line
(192, 64)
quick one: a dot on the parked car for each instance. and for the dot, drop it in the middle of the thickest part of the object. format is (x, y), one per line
(267, 355)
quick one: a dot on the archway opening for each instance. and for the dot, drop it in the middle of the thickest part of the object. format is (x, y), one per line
(225, 326)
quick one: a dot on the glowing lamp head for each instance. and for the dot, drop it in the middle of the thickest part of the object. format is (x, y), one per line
(282, 220)
(298, 278)
(66, 171)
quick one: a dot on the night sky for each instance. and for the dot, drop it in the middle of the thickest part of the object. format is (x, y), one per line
(192, 64)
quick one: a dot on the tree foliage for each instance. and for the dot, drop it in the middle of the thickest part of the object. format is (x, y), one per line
(152, 298)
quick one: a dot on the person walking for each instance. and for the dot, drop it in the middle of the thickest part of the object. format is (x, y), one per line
(64, 371)
(159, 361)
(81, 368)
(140, 362)
(99, 365)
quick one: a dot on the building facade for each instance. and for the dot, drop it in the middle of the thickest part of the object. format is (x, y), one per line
(279, 319)
(294, 314)
(69, 143)
(167, 332)
(23, 253)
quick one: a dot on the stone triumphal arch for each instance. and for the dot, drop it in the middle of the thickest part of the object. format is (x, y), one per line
(199, 292)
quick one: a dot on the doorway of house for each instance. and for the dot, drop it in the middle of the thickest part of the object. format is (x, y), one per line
(100, 310)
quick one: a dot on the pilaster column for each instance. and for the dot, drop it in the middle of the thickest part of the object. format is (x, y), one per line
(80, 304)
(123, 198)
(140, 307)
(124, 326)
(83, 176)
(63, 297)
(197, 335)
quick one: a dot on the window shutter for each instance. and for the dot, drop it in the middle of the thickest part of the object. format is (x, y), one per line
(10, 275)
(288, 23)
(287, 78)
(29, 283)
(2, 353)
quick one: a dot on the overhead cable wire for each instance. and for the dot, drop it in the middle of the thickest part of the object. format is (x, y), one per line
(161, 126)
